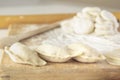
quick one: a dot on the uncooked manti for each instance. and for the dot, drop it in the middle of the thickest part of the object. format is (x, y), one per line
(86, 53)
(86, 37)
(113, 57)
(91, 20)
(20, 53)
(54, 53)
(87, 27)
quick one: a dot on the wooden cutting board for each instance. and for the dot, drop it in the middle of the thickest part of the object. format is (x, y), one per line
(71, 70)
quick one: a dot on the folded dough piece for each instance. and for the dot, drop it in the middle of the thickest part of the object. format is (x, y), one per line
(113, 62)
(108, 16)
(86, 53)
(53, 53)
(91, 20)
(113, 57)
(99, 43)
(93, 11)
(78, 25)
(20, 53)
(115, 38)
(106, 23)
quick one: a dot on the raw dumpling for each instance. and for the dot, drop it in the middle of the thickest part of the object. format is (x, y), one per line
(113, 57)
(85, 53)
(92, 11)
(108, 16)
(53, 53)
(91, 20)
(20, 53)
(78, 25)
(106, 24)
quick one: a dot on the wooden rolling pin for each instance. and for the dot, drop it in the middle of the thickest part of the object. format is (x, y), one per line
(7, 41)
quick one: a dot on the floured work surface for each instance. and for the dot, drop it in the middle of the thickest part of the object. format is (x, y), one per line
(56, 71)
(71, 70)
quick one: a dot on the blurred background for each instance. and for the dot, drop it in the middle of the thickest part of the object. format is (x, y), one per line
(53, 6)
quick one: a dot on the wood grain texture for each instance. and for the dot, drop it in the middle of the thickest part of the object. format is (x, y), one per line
(5, 21)
(58, 71)
(71, 70)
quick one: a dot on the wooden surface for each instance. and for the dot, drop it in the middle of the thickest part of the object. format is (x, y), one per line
(32, 19)
(71, 70)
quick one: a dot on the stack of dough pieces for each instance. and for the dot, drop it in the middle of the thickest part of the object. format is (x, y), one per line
(91, 20)
(63, 49)
(81, 37)
(77, 51)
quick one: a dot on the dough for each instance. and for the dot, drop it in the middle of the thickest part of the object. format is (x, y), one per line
(78, 26)
(113, 57)
(86, 53)
(106, 24)
(53, 53)
(91, 20)
(20, 53)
